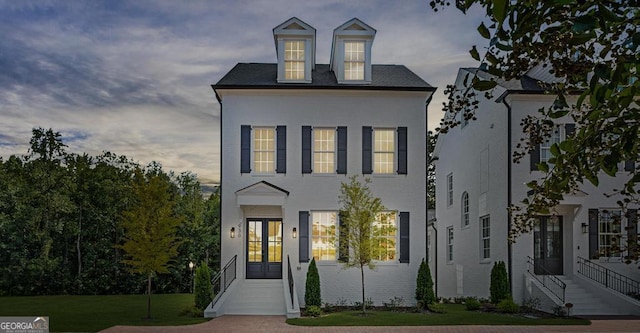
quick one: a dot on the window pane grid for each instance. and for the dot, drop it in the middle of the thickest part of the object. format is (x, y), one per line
(450, 244)
(323, 235)
(354, 60)
(294, 60)
(465, 209)
(449, 189)
(385, 239)
(275, 241)
(264, 150)
(255, 241)
(545, 147)
(324, 150)
(384, 151)
(486, 237)
(610, 232)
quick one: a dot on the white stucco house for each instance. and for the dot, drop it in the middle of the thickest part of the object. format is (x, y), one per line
(566, 259)
(292, 132)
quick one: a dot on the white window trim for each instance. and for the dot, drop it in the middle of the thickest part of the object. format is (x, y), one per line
(394, 168)
(464, 207)
(396, 239)
(345, 61)
(449, 196)
(335, 151)
(449, 244)
(484, 259)
(337, 246)
(303, 61)
(253, 150)
(621, 235)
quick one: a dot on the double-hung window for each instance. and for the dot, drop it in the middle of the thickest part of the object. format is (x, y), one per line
(384, 151)
(294, 59)
(485, 237)
(354, 60)
(449, 190)
(264, 149)
(449, 244)
(323, 235)
(384, 238)
(556, 136)
(610, 232)
(465, 209)
(324, 150)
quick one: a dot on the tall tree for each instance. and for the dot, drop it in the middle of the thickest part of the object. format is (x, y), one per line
(431, 169)
(150, 228)
(592, 47)
(359, 232)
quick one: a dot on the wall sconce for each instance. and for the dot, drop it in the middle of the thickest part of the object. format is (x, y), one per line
(585, 228)
(233, 232)
(294, 232)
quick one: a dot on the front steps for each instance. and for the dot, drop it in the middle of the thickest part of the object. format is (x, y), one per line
(256, 297)
(586, 302)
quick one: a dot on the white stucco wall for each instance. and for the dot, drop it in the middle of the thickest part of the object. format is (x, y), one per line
(309, 192)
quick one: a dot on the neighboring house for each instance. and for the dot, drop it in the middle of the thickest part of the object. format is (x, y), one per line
(476, 182)
(292, 132)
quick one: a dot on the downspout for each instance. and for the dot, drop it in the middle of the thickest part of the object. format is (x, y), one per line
(219, 99)
(509, 194)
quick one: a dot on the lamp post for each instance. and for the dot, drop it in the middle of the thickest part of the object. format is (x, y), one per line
(191, 264)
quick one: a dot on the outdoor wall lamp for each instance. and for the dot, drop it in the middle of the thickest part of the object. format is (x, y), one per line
(294, 232)
(233, 232)
(585, 228)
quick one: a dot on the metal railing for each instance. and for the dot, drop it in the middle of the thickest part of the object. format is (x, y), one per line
(290, 277)
(548, 280)
(608, 278)
(223, 279)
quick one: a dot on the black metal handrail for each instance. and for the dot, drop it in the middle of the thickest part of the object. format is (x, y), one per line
(290, 277)
(608, 278)
(223, 279)
(549, 281)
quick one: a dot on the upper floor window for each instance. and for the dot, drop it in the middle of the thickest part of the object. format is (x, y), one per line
(465, 209)
(384, 151)
(557, 135)
(354, 60)
(485, 237)
(385, 237)
(450, 189)
(294, 58)
(323, 234)
(264, 149)
(324, 150)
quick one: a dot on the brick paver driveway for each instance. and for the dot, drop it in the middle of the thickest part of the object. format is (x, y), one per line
(253, 324)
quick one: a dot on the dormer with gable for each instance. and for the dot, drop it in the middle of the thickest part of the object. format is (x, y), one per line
(351, 52)
(296, 51)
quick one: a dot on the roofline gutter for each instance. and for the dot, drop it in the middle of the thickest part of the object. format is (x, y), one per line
(312, 87)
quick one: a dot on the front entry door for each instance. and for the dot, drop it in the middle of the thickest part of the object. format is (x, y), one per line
(547, 245)
(264, 249)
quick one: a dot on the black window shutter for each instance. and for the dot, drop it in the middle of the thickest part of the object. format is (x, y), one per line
(632, 231)
(245, 149)
(306, 149)
(404, 237)
(281, 151)
(569, 129)
(303, 236)
(367, 155)
(593, 234)
(629, 165)
(342, 151)
(535, 158)
(402, 150)
(343, 246)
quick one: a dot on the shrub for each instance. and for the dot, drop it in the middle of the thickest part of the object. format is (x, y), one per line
(313, 311)
(507, 305)
(436, 308)
(191, 311)
(424, 285)
(472, 304)
(202, 286)
(499, 288)
(312, 286)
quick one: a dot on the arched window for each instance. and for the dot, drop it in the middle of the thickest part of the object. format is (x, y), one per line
(465, 209)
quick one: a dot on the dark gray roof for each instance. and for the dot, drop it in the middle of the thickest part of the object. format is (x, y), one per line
(264, 76)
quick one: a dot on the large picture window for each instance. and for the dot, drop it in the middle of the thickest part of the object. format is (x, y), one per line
(323, 235)
(324, 150)
(294, 60)
(384, 239)
(384, 151)
(354, 60)
(264, 150)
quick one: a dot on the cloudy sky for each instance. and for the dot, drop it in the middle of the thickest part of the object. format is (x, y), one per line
(134, 77)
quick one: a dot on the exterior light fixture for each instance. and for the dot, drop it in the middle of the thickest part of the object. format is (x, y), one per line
(294, 232)
(233, 232)
(191, 264)
(585, 228)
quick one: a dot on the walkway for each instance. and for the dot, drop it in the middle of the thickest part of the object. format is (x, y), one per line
(254, 324)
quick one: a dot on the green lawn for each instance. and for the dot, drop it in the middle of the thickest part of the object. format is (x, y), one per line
(456, 315)
(94, 313)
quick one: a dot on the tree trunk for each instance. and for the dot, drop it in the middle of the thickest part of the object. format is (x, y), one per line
(149, 296)
(364, 308)
(78, 246)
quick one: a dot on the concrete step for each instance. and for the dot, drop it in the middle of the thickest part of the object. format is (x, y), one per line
(257, 297)
(584, 302)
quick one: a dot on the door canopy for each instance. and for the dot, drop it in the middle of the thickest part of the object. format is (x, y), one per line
(261, 194)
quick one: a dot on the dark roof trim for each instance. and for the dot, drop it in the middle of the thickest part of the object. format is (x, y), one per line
(268, 184)
(335, 87)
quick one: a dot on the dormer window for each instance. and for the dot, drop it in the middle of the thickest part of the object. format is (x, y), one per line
(351, 52)
(295, 48)
(294, 60)
(354, 60)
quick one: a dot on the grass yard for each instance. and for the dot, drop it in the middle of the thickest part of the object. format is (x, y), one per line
(93, 313)
(456, 315)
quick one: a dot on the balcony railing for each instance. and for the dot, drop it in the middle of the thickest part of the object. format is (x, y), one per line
(608, 278)
(548, 280)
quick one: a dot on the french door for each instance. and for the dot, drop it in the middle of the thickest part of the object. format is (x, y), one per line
(547, 245)
(264, 248)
